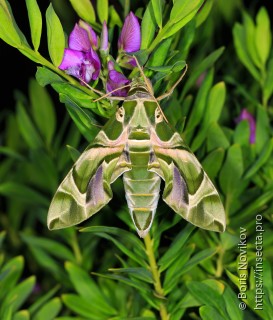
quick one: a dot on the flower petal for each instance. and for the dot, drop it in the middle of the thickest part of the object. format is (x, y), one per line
(71, 58)
(79, 39)
(130, 37)
(93, 38)
(115, 81)
(104, 37)
(93, 57)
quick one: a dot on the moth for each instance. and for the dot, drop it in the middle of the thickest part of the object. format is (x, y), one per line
(140, 145)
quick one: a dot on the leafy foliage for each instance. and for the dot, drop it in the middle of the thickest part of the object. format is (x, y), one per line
(105, 271)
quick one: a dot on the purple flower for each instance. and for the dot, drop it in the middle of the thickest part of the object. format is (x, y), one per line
(115, 81)
(80, 59)
(130, 36)
(245, 115)
(82, 37)
(104, 38)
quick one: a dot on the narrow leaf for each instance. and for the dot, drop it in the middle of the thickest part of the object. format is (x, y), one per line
(148, 27)
(27, 129)
(102, 10)
(262, 159)
(263, 35)
(242, 51)
(55, 36)
(84, 9)
(14, 189)
(49, 311)
(9, 30)
(182, 8)
(35, 21)
(157, 8)
(43, 110)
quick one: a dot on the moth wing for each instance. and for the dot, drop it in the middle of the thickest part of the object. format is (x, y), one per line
(188, 190)
(86, 188)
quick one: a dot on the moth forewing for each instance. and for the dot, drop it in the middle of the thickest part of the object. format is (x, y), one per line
(86, 188)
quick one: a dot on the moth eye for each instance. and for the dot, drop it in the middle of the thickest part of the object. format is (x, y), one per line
(120, 114)
(158, 115)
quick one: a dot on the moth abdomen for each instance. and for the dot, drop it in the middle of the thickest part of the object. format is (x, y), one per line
(142, 196)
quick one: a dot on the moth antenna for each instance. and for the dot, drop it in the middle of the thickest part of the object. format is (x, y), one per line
(105, 95)
(168, 93)
(92, 89)
(148, 84)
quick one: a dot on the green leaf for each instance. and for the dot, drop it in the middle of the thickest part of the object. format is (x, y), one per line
(213, 162)
(199, 257)
(54, 248)
(9, 30)
(157, 9)
(232, 170)
(262, 128)
(268, 86)
(175, 270)
(231, 302)
(81, 307)
(18, 295)
(43, 110)
(49, 311)
(22, 192)
(114, 18)
(198, 108)
(177, 244)
(249, 29)
(80, 117)
(88, 290)
(213, 111)
(74, 153)
(202, 67)
(183, 8)
(11, 153)
(138, 273)
(204, 13)
(216, 137)
(55, 36)
(263, 35)
(35, 21)
(207, 296)
(148, 27)
(159, 56)
(21, 315)
(262, 159)
(241, 133)
(27, 129)
(38, 304)
(242, 50)
(10, 274)
(102, 10)
(208, 313)
(84, 9)
(45, 76)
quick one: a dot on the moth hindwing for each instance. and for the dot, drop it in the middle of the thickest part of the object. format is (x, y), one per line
(139, 144)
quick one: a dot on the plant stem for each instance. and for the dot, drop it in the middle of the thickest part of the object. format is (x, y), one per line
(156, 276)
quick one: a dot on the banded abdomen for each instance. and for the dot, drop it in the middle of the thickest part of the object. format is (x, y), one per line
(141, 186)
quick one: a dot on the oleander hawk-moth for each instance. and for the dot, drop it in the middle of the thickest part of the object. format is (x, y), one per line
(138, 143)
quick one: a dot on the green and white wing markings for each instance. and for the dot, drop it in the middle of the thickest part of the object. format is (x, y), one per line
(188, 190)
(86, 188)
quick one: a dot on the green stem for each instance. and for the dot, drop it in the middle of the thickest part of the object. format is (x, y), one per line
(76, 249)
(156, 276)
